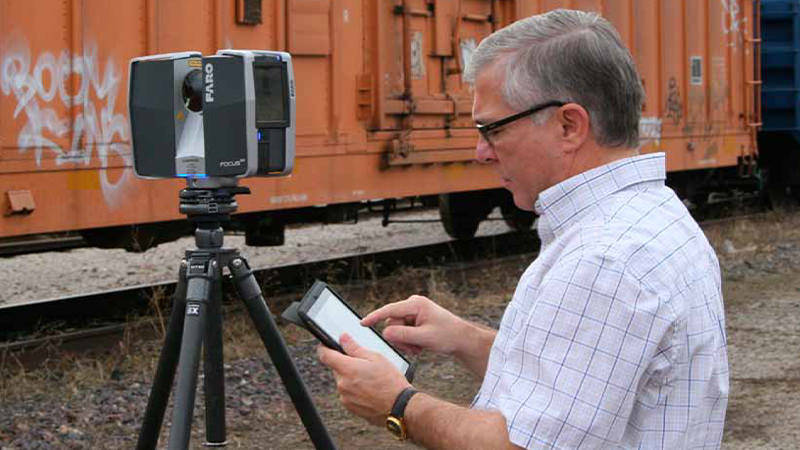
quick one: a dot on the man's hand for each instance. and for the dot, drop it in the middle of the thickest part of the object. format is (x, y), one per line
(417, 324)
(367, 382)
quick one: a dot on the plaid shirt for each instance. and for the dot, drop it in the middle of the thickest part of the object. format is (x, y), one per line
(615, 336)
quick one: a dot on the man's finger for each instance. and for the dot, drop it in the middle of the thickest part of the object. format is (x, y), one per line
(407, 320)
(394, 321)
(410, 349)
(352, 348)
(401, 309)
(406, 336)
(333, 358)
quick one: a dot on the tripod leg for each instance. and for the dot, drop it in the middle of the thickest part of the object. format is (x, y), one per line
(200, 276)
(250, 293)
(165, 371)
(214, 381)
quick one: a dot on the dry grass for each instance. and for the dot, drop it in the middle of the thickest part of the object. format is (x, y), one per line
(62, 373)
(759, 233)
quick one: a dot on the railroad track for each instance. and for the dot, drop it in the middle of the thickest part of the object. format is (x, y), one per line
(40, 243)
(63, 322)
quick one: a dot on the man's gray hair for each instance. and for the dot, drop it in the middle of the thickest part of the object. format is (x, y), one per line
(572, 56)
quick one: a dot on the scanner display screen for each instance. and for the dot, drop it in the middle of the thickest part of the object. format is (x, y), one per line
(335, 318)
(270, 95)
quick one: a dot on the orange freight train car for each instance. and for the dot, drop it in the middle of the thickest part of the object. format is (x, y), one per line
(381, 108)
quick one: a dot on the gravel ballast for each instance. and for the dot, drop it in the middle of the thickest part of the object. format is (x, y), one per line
(49, 275)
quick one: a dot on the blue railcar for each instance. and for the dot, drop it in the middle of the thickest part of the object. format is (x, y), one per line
(779, 138)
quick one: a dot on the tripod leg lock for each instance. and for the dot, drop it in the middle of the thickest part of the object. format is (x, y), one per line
(248, 287)
(201, 273)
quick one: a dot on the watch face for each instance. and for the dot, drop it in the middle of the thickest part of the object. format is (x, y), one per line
(395, 427)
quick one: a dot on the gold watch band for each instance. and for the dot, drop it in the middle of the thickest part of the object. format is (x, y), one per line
(397, 427)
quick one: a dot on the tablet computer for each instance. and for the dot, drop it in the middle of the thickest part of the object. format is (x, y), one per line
(327, 316)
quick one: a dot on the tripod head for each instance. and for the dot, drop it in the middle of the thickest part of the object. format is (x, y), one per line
(208, 203)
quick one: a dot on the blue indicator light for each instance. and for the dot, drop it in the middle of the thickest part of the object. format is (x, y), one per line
(192, 175)
(259, 135)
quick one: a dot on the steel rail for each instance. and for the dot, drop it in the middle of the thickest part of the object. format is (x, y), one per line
(116, 306)
(81, 313)
(39, 243)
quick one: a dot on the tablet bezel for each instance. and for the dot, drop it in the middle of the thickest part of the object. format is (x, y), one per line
(310, 298)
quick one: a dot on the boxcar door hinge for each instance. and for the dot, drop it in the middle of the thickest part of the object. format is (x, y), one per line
(364, 96)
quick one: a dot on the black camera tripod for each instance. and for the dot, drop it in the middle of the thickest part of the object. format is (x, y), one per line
(196, 320)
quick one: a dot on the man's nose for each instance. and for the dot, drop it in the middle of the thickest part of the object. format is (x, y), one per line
(484, 153)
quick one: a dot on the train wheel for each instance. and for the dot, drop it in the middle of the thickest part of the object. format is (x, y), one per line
(783, 198)
(462, 212)
(779, 158)
(782, 195)
(116, 237)
(265, 232)
(136, 238)
(515, 218)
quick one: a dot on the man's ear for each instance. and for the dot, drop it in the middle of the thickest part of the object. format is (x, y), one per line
(574, 125)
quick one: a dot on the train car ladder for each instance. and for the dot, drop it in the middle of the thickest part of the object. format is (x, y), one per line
(754, 83)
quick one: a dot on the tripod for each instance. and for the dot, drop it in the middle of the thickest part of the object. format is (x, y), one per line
(196, 320)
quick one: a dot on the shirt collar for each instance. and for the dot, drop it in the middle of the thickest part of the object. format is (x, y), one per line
(564, 202)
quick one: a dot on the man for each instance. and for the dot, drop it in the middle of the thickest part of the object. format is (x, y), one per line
(615, 336)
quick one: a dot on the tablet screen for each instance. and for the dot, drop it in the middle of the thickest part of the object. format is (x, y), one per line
(333, 316)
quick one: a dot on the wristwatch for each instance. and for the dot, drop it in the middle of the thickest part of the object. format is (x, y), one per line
(394, 421)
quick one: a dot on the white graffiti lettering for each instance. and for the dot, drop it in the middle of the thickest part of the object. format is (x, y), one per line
(650, 131)
(732, 22)
(37, 86)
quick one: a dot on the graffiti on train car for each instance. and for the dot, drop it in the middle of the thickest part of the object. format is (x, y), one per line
(719, 83)
(650, 132)
(674, 104)
(39, 84)
(732, 22)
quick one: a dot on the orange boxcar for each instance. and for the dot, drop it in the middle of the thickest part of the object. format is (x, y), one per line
(381, 108)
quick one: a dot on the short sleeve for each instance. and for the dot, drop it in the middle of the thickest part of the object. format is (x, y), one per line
(573, 367)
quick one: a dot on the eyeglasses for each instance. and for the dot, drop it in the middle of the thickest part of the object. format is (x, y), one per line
(486, 130)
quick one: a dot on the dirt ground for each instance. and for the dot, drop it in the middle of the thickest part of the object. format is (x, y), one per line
(98, 402)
